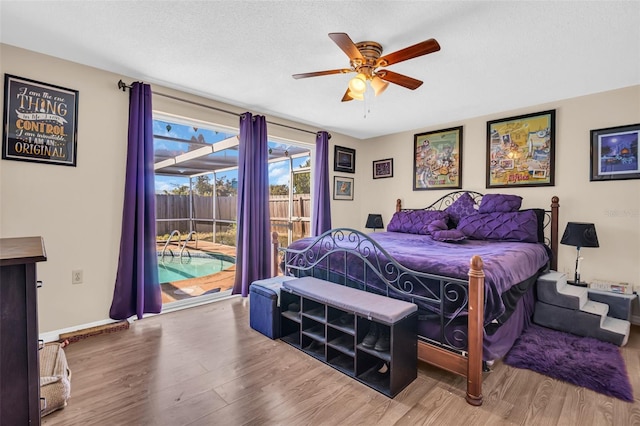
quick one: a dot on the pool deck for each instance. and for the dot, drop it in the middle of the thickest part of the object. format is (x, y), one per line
(223, 280)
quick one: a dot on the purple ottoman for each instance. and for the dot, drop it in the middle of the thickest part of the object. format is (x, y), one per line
(264, 305)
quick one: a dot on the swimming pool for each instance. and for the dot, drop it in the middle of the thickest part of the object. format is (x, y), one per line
(194, 266)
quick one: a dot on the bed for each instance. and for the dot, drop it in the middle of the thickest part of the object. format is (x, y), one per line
(468, 261)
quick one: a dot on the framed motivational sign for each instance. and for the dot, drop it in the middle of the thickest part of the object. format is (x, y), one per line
(40, 122)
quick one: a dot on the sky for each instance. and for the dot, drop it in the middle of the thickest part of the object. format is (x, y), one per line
(278, 172)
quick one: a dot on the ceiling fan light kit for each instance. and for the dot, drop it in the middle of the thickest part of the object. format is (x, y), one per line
(358, 84)
(365, 59)
(379, 85)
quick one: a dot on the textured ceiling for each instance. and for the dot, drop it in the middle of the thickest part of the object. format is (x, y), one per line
(495, 56)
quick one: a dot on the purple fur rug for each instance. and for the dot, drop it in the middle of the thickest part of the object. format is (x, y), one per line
(583, 361)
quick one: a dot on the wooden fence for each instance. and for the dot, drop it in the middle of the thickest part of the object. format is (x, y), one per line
(170, 206)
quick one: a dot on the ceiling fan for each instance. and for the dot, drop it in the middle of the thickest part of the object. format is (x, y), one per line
(365, 60)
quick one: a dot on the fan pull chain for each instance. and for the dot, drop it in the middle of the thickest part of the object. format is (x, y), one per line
(368, 99)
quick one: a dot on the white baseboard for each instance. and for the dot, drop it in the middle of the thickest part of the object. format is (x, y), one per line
(54, 336)
(635, 319)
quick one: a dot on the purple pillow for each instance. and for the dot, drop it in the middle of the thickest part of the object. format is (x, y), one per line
(500, 203)
(462, 207)
(415, 221)
(503, 226)
(448, 235)
(437, 225)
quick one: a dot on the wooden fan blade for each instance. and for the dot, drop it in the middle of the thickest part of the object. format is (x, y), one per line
(346, 97)
(347, 45)
(319, 73)
(422, 48)
(399, 79)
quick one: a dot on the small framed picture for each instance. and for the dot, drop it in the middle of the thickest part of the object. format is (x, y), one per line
(344, 160)
(614, 153)
(383, 168)
(342, 188)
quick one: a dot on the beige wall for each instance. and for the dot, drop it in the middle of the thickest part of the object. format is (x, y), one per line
(78, 209)
(613, 206)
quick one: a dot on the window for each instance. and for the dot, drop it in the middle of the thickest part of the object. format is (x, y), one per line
(290, 204)
(196, 168)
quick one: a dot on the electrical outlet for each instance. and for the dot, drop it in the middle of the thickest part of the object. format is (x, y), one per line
(76, 276)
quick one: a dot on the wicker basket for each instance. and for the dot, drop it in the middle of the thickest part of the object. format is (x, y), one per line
(55, 378)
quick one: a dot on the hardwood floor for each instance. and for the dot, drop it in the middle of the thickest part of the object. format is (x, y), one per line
(206, 366)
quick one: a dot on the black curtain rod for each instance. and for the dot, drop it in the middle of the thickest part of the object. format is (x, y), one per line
(123, 86)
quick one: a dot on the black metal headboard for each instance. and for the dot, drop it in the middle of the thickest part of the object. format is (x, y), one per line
(549, 220)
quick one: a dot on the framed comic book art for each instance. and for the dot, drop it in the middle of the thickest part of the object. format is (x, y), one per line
(521, 150)
(437, 159)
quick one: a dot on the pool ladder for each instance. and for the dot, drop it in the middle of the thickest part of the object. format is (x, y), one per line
(186, 240)
(164, 249)
(184, 246)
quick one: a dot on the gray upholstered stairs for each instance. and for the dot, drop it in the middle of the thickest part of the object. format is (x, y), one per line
(567, 308)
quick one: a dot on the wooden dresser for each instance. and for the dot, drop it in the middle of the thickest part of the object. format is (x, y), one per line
(19, 370)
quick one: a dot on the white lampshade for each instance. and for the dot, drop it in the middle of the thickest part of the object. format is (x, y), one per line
(356, 95)
(378, 84)
(358, 84)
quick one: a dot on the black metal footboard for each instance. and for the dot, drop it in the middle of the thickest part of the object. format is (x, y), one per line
(348, 257)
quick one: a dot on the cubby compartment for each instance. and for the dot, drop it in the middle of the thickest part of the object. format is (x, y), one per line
(364, 327)
(313, 329)
(313, 347)
(341, 320)
(290, 331)
(290, 305)
(290, 319)
(341, 341)
(373, 371)
(313, 309)
(340, 360)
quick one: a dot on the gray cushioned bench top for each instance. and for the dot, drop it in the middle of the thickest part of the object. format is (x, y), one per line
(372, 306)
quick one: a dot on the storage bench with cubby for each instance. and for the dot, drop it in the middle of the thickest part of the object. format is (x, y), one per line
(366, 336)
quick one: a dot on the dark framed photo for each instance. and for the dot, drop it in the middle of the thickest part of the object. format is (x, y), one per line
(383, 168)
(40, 122)
(614, 153)
(344, 159)
(342, 188)
(438, 159)
(521, 150)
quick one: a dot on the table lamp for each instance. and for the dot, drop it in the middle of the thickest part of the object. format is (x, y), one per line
(374, 221)
(580, 234)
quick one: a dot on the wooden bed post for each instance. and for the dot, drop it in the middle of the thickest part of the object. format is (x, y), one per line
(555, 205)
(398, 205)
(475, 331)
(274, 253)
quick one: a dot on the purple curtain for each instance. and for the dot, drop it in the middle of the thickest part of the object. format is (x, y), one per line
(321, 187)
(137, 290)
(253, 242)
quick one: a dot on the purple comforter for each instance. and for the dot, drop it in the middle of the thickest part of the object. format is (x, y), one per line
(505, 263)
